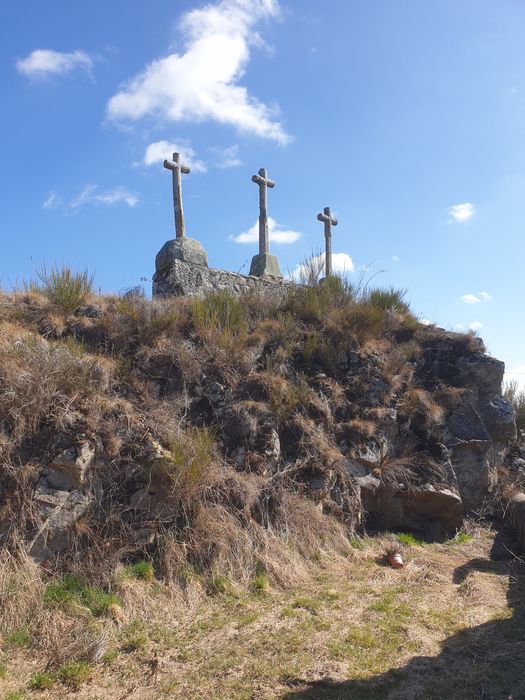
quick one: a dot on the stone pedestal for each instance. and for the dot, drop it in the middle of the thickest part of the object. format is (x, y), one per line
(187, 250)
(264, 265)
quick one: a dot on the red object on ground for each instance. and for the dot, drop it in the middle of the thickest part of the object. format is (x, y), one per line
(395, 560)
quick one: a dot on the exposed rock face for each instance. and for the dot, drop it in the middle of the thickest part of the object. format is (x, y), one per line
(62, 497)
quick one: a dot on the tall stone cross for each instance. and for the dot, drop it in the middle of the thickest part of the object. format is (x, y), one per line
(329, 221)
(262, 180)
(177, 168)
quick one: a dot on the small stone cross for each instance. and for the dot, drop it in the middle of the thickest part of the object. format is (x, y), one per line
(329, 221)
(262, 180)
(177, 168)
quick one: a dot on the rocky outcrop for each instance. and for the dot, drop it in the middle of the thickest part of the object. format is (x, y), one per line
(63, 495)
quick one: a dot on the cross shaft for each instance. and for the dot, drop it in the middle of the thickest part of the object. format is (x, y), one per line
(177, 168)
(263, 182)
(329, 221)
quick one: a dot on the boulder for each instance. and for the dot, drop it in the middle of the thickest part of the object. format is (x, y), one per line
(57, 511)
(69, 469)
(499, 418)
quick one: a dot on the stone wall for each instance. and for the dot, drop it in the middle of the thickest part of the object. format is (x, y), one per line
(182, 270)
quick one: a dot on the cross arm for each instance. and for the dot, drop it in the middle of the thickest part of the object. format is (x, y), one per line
(262, 181)
(173, 165)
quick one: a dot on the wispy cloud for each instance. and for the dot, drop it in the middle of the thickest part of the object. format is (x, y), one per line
(202, 82)
(461, 212)
(158, 151)
(90, 195)
(342, 264)
(470, 299)
(278, 234)
(475, 298)
(226, 157)
(42, 63)
(52, 201)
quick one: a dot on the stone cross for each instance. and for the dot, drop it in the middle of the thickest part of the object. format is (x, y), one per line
(177, 168)
(262, 180)
(328, 220)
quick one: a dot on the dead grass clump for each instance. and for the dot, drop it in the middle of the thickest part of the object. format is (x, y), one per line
(136, 321)
(186, 468)
(21, 590)
(40, 383)
(418, 406)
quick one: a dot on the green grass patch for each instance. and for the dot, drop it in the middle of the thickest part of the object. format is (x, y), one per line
(141, 569)
(20, 637)
(409, 539)
(134, 637)
(69, 591)
(260, 580)
(461, 538)
(42, 680)
(74, 673)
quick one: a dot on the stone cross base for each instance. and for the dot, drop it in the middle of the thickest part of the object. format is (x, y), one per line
(187, 250)
(264, 265)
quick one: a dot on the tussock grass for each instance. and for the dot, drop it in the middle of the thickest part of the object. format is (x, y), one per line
(65, 289)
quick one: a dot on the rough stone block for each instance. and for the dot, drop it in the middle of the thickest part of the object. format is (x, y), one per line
(265, 264)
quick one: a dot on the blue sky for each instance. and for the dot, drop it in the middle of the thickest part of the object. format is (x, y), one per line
(406, 117)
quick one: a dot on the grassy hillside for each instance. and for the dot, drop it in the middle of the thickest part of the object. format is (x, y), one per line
(177, 517)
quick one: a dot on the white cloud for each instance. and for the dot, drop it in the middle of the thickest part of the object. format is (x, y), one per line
(160, 150)
(201, 81)
(44, 62)
(52, 201)
(516, 374)
(342, 264)
(91, 195)
(485, 296)
(278, 234)
(462, 212)
(226, 157)
(475, 326)
(470, 299)
(426, 322)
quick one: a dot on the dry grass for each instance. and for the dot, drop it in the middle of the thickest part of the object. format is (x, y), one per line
(349, 628)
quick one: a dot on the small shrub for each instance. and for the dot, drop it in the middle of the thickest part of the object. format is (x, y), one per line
(516, 396)
(74, 673)
(65, 289)
(42, 680)
(219, 314)
(260, 580)
(141, 569)
(3, 670)
(142, 321)
(388, 300)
